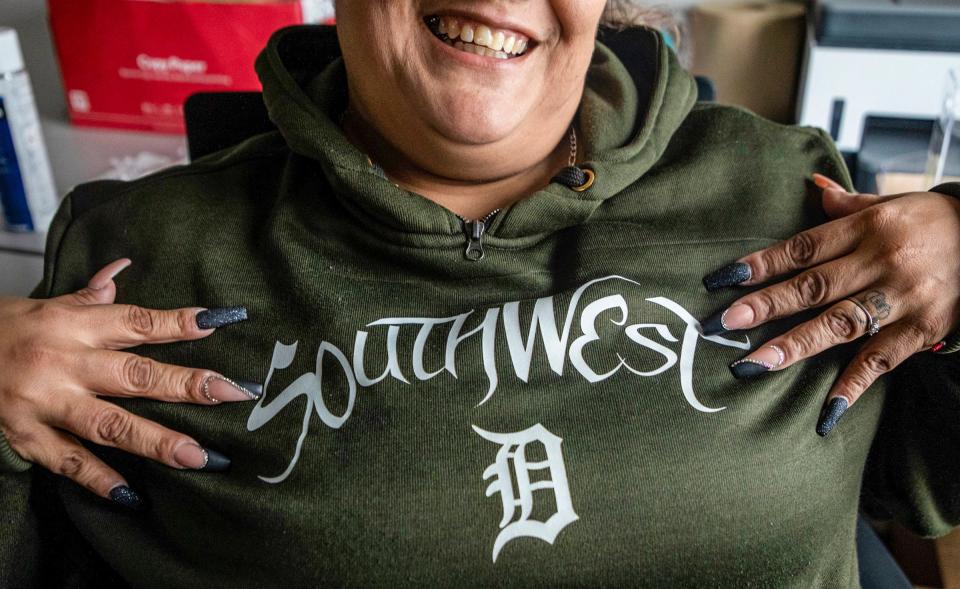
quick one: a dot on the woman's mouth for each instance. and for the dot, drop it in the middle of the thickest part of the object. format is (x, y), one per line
(479, 39)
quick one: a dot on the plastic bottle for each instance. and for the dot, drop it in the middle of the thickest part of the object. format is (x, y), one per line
(27, 191)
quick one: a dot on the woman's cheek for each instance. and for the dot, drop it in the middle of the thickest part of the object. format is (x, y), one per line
(579, 18)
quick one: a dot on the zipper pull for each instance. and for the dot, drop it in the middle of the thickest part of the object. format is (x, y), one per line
(475, 231)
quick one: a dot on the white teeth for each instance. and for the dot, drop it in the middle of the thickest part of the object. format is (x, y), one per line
(481, 39)
(478, 50)
(483, 36)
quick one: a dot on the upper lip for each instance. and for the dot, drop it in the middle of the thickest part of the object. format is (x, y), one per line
(489, 18)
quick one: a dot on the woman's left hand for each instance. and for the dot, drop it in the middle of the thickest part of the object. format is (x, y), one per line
(894, 260)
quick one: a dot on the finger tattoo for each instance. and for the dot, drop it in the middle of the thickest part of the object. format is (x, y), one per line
(878, 300)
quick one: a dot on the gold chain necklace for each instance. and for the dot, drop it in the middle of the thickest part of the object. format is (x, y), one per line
(573, 146)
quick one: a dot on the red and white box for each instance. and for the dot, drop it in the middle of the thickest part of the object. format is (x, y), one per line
(131, 64)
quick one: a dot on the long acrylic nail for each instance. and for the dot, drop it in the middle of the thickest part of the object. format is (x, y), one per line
(218, 389)
(736, 317)
(831, 415)
(760, 362)
(216, 462)
(824, 182)
(821, 181)
(203, 459)
(126, 497)
(215, 318)
(714, 325)
(731, 275)
(102, 278)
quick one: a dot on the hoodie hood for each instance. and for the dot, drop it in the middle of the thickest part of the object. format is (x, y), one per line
(636, 97)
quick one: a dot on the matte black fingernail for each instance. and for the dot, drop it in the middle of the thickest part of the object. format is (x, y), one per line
(831, 415)
(254, 388)
(216, 462)
(749, 368)
(126, 497)
(731, 275)
(715, 324)
(214, 318)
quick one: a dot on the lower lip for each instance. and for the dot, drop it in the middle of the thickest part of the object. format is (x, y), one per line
(481, 61)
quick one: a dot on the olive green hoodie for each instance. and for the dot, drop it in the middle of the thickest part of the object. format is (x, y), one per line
(550, 415)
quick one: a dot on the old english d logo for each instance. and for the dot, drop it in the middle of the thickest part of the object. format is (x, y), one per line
(511, 479)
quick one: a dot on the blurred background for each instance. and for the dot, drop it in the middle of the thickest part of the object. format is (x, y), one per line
(95, 89)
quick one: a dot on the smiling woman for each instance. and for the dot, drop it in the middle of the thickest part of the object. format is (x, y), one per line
(454, 337)
(470, 131)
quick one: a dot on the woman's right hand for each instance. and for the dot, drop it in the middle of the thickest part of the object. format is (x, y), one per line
(58, 356)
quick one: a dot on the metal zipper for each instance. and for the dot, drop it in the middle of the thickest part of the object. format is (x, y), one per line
(475, 229)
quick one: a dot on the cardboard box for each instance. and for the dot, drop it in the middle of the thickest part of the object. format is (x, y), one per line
(902, 182)
(131, 64)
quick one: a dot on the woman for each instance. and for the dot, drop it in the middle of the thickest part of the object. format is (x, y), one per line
(467, 377)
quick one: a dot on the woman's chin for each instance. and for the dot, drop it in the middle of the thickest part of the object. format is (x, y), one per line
(477, 129)
(472, 138)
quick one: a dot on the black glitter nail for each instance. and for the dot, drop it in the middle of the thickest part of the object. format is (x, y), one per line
(742, 369)
(216, 462)
(731, 275)
(255, 389)
(831, 415)
(714, 325)
(126, 497)
(214, 318)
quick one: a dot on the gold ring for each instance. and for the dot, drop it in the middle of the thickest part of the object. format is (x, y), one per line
(591, 178)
